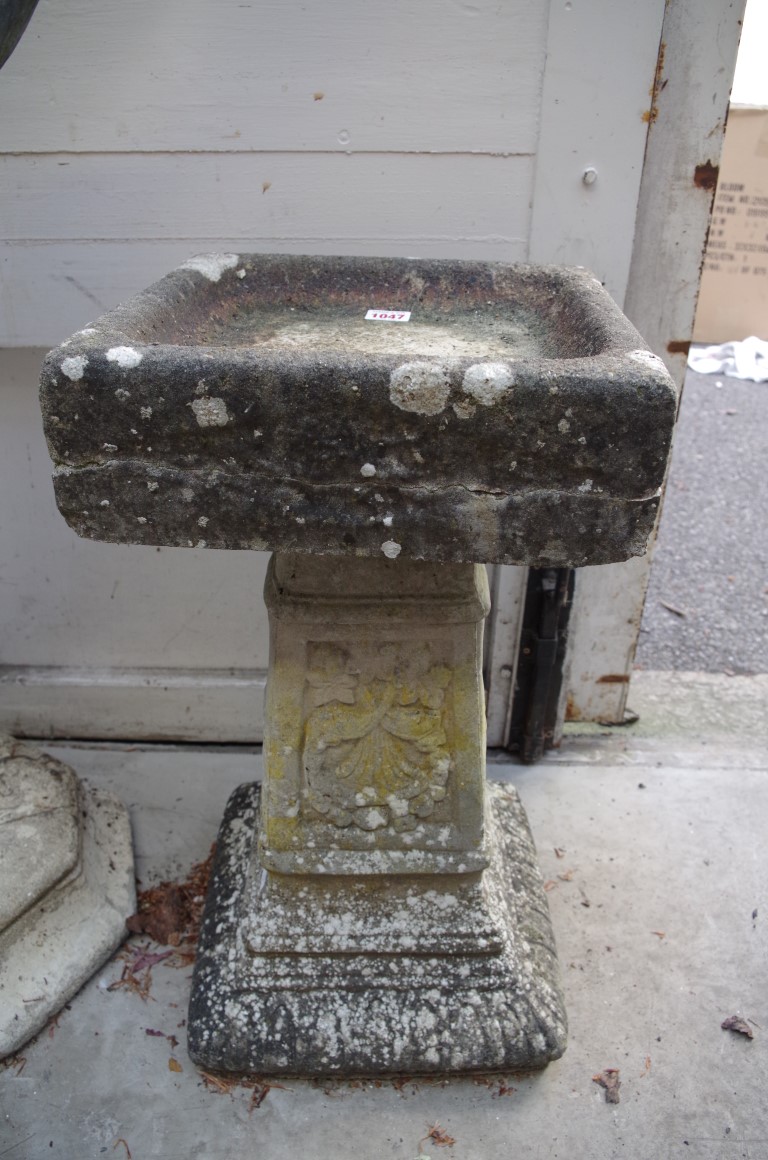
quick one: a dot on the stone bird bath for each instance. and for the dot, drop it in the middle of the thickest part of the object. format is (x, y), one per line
(385, 427)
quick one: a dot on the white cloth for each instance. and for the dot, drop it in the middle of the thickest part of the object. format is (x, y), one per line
(740, 360)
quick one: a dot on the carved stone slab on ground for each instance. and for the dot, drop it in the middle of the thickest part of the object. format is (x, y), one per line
(66, 866)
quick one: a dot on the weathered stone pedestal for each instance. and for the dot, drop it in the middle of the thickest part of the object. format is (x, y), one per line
(373, 908)
(381, 423)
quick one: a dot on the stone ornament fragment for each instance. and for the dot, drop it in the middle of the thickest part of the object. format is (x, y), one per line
(66, 865)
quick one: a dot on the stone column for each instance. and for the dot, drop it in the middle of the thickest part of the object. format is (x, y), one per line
(374, 907)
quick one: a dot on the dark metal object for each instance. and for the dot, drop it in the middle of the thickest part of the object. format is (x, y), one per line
(14, 18)
(540, 664)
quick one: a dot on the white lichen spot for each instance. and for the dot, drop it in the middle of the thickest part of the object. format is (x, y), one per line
(145, 412)
(187, 494)
(141, 519)
(585, 486)
(201, 388)
(391, 549)
(422, 387)
(563, 426)
(125, 356)
(367, 470)
(202, 522)
(487, 382)
(300, 519)
(582, 439)
(134, 431)
(241, 272)
(152, 485)
(387, 521)
(109, 446)
(257, 434)
(104, 503)
(74, 367)
(122, 394)
(210, 411)
(201, 544)
(211, 266)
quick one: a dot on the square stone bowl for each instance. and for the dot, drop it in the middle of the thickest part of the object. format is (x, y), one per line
(460, 411)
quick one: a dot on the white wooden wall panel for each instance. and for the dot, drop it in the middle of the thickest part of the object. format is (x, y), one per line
(502, 640)
(67, 601)
(80, 234)
(171, 75)
(267, 196)
(601, 61)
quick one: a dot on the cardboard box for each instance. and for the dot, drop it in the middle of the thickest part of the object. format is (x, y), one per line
(733, 299)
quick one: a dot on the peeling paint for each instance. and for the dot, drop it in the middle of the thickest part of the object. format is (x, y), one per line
(705, 176)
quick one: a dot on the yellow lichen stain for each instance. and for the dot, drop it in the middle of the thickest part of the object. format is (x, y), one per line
(281, 832)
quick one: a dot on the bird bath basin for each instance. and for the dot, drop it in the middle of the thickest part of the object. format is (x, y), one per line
(514, 416)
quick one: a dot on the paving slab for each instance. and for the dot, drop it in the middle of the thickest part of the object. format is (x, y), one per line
(652, 849)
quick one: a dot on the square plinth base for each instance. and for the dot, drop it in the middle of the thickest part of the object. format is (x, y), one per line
(495, 1005)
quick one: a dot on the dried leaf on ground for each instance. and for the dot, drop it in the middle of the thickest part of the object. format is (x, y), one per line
(734, 1023)
(567, 876)
(438, 1136)
(258, 1095)
(559, 852)
(171, 912)
(216, 1083)
(609, 1079)
(120, 1140)
(171, 1038)
(497, 1085)
(550, 884)
(647, 1067)
(174, 1065)
(224, 1085)
(659, 933)
(136, 975)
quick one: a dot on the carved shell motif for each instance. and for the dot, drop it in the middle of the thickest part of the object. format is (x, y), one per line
(375, 747)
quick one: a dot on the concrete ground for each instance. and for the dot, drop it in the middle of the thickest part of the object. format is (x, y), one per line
(652, 843)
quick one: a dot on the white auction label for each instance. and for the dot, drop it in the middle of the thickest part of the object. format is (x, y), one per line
(388, 316)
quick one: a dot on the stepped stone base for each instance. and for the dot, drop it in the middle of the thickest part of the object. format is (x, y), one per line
(396, 974)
